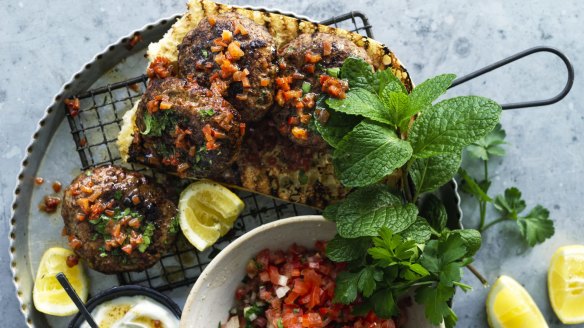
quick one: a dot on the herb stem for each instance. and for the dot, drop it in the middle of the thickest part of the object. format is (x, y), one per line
(492, 223)
(477, 274)
(482, 203)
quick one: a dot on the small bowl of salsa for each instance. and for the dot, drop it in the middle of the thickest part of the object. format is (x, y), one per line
(278, 276)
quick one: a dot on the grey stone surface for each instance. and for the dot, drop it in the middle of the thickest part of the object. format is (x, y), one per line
(42, 43)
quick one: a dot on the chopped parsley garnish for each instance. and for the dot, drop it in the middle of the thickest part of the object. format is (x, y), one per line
(207, 112)
(205, 53)
(156, 124)
(174, 225)
(334, 72)
(118, 195)
(146, 237)
(306, 87)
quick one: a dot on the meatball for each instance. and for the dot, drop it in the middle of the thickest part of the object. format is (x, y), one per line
(118, 220)
(305, 64)
(234, 56)
(186, 129)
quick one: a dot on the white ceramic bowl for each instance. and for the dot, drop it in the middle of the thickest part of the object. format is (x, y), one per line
(213, 295)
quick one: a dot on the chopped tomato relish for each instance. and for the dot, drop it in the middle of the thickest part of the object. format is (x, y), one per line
(295, 289)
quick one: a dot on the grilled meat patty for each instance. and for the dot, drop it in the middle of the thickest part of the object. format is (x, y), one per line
(118, 220)
(305, 64)
(234, 56)
(184, 128)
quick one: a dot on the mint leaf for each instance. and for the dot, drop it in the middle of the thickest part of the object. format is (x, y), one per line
(341, 249)
(385, 79)
(361, 102)
(428, 174)
(419, 231)
(453, 124)
(368, 209)
(435, 301)
(359, 73)
(490, 145)
(433, 210)
(536, 227)
(369, 153)
(510, 204)
(398, 105)
(472, 240)
(330, 212)
(474, 188)
(428, 91)
(346, 287)
(337, 126)
(384, 304)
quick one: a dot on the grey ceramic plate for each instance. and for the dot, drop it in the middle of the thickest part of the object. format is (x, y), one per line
(52, 155)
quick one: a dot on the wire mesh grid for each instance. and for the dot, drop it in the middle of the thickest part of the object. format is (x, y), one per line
(95, 129)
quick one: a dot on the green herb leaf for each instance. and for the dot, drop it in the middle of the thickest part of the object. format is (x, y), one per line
(384, 304)
(368, 279)
(385, 79)
(148, 122)
(361, 102)
(334, 72)
(359, 73)
(146, 237)
(331, 211)
(511, 204)
(368, 209)
(341, 249)
(346, 287)
(536, 227)
(433, 210)
(473, 187)
(306, 87)
(419, 231)
(438, 253)
(428, 91)
(428, 174)
(206, 112)
(369, 153)
(453, 124)
(490, 145)
(472, 240)
(337, 126)
(435, 301)
(398, 105)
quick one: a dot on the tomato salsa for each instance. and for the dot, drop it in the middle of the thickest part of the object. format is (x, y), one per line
(295, 289)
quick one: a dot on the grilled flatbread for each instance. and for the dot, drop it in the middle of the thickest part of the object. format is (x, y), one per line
(264, 164)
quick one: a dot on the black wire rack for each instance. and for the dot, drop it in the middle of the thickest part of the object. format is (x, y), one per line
(95, 129)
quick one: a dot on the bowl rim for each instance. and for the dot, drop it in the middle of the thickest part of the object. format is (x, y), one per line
(126, 290)
(190, 302)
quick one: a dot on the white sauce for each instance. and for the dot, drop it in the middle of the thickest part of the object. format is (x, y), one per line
(132, 312)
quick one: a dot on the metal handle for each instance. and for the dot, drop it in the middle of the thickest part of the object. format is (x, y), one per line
(518, 56)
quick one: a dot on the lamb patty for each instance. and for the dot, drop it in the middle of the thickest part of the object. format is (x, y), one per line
(234, 56)
(305, 72)
(186, 129)
(118, 220)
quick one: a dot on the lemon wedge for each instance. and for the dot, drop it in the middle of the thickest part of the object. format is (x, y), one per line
(48, 295)
(207, 211)
(566, 284)
(509, 305)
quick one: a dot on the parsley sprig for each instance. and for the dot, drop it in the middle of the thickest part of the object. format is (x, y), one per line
(395, 238)
(535, 226)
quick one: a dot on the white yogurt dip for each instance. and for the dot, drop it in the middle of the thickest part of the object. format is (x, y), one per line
(133, 312)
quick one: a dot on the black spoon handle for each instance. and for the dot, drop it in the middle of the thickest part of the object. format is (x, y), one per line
(75, 298)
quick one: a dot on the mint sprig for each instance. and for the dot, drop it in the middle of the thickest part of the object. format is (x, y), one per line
(382, 133)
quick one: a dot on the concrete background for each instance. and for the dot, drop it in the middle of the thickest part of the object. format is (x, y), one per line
(42, 43)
